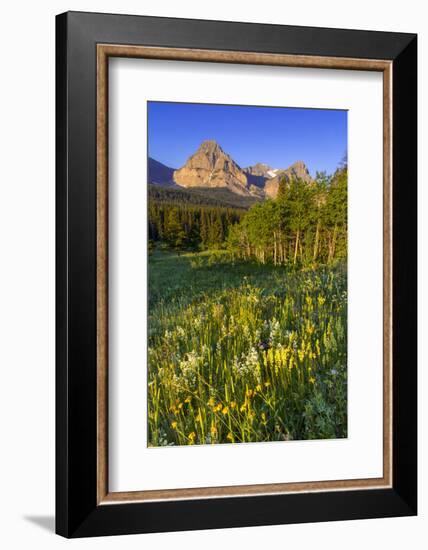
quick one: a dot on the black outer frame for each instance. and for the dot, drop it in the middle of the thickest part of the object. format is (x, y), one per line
(77, 513)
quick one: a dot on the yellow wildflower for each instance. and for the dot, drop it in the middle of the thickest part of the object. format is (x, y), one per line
(192, 437)
(188, 399)
(174, 425)
(312, 380)
(225, 410)
(232, 404)
(230, 436)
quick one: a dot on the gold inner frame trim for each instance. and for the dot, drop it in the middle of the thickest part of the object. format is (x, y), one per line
(104, 51)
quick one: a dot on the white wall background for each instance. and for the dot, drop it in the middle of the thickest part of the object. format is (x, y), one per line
(27, 272)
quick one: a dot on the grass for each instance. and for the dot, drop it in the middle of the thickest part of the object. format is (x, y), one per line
(240, 352)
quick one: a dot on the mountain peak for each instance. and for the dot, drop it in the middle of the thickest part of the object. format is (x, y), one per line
(210, 166)
(209, 144)
(298, 164)
(259, 169)
(211, 149)
(299, 170)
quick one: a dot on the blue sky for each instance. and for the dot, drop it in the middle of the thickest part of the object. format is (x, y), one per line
(277, 136)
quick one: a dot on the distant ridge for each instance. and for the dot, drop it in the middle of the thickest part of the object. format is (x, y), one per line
(160, 174)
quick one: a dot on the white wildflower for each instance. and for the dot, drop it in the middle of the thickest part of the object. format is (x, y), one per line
(180, 332)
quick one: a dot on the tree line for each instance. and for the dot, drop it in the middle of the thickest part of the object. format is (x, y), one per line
(306, 224)
(189, 227)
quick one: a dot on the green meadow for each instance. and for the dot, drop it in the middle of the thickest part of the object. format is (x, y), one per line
(245, 351)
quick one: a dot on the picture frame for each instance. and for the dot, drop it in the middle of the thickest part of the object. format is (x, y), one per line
(84, 44)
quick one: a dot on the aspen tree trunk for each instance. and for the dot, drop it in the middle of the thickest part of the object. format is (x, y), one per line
(284, 251)
(330, 240)
(274, 248)
(332, 244)
(316, 244)
(334, 241)
(296, 248)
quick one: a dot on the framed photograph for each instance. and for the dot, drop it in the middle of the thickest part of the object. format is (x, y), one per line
(236, 274)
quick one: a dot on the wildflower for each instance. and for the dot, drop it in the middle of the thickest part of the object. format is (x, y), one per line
(188, 399)
(242, 407)
(192, 437)
(174, 425)
(225, 410)
(232, 404)
(180, 332)
(258, 387)
(249, 364)
(211, 401)
(274, 330)
(312, 380)
(310, 327)
(249, 393)
(321, 300)
(213, 431)
(189, 366)
(267, 384)
(230, 436)
(198, 417)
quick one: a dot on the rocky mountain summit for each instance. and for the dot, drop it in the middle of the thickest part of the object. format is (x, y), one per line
(260, 169)
(210, 167)
(298, 170)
